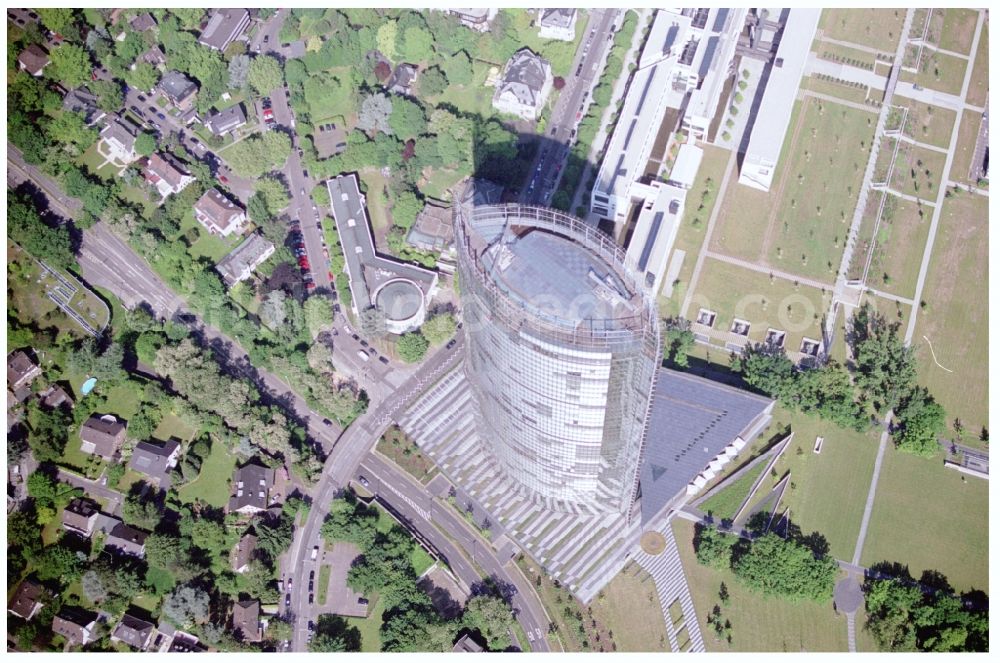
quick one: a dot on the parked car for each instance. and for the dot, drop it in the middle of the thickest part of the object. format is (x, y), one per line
(363, 481)
(384, 360)
(327, 422)
(288, 600)
(315, 552)
(223, 179)
(161, 116)
(451, 344)
(363, 355)
(141, 97)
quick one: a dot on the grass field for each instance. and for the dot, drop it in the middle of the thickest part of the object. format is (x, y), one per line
(980, 83)
(929, 517)
(401, 450)
(918, 171)
(804, 220)
(725, 502)
(858, 95)
(758, 623)
(558, 53)
(899, 247)
(208, 245)
(323, 584)
(964, 148)
(830, 488)
(875, 28)
(438, 185)
(893, 311)
(691, 234)
(171, 426)
(378, 212)
(838, 53)
(630, 608)
(958, 30)
(937, 71)
(926, 123)
(212, 484)
(779, 304)
(475, 98)
(369, 626)
(956, 317)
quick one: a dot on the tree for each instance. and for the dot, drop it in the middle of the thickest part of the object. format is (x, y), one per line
(25, 226)
(265, 74)
(385, 39)
(334, 634)
(318, 313)
(48, 432)
(412, 347)
(558, 83)
(678, 339)
(257, 155)
(274, 193)
(885, 368)
(351, 521)
(145, 144)
(920, 419)
(712, 547)
(109, 94)
(144, 77)
(375, 111)
(417, 44)
(272, 310)
(432, 82)
(71, 128)
(458, 68)
(139, 510)
(93, 588)
(69, 64)
(239, 70)
(767, 369)
(57, 20)
(56, 562)
(405, 209)
(778, 567)
(492, 617)
(186, 606)
(439, 328)
(275, 536)
(165, 551)
(105, 365)
(893, 610)
(372, 322)
(407, 119)
(278, 630)
(189, 17)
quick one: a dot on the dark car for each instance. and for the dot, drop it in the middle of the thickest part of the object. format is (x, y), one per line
(152, 109)
(451, 344)
(384, 360)
(311, 626)
(326, 422)
(311, 588)
(161, 116)
(141, 97)
(311, 597)
(136, 110)
(288, 600)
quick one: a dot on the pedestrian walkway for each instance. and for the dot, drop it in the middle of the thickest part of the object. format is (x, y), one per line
(671, 586)
(845, 72)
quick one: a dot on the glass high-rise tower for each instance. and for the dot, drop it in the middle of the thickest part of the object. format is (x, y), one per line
(563, 349)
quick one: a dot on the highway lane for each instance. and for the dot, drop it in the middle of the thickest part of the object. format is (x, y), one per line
(571, 106)
(341, 466)
(427, 515)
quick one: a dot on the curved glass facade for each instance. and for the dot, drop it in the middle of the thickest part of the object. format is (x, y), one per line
(562, 353)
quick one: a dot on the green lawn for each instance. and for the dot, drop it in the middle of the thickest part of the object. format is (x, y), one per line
(826, 491)
(918, 171)
(212, 484)
(369, 626)
(837, 53)
(171, 426)
(324, 584)
(780, 304)
(375, 197)
(402, 451)
(475, 98)
(558, 53)
(875, 28)
(899, 246)
(958, 30)
(630, 608)
(439, 183)
(926, 123)
(858, 95)
(929, 517)
(725, 502)
(123, 400)
(937, 71)
(980, 83)
(691, 234)
(758, 623)
(968, 133)
(956, 318)
(208, 245)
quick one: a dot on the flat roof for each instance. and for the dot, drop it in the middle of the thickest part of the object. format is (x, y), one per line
(654, 235)
(692, 420)
(557, 277)
(686, 165)
(775, 112)
(365, 267)
(400, 300)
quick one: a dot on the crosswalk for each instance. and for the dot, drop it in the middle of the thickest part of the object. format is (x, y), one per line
(671, 586)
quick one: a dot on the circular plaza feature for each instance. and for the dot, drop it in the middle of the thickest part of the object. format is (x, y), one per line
(653, 543)
(401, 301)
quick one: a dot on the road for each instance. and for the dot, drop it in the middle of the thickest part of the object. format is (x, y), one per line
(571, 106)
(265, 40)
(97, 489)
(443, 526)
(340, 467)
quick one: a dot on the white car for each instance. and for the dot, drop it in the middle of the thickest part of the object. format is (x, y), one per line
(315, 552)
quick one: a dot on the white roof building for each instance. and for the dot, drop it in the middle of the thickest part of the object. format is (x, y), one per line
(775, 111)
(557, 23)
(655, 231)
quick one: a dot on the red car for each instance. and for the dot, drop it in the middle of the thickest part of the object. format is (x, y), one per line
(223, 179)
(304, 262)
(330, 274)
(310, 286)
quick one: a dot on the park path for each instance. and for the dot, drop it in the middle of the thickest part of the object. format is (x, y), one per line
(757, 267)
(671, 586)
(703, 252)
(911, 325)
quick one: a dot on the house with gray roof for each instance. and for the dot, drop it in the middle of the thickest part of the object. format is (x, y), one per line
(80, 516)
(251, 489)
(402, 79)
(524, 86)
(134, 632)
(227, 121)
(27, 600)
(118, 140)
(178, 89)
(143, 22)
(224, 27)
(154, 56)
(246, 620)
(21, 370)
(55, 396)
(155, 460)
(557, 24)
(476, 18)
(102, 435)
(76, 625)
(433, 229)
(244, 552)
(81, 100)
(239, 263)
(218, 214)
(127, 540)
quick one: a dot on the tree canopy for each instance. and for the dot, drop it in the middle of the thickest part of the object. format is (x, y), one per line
(785, 567)
(69, 64)
(265, 74)
(412, 347)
